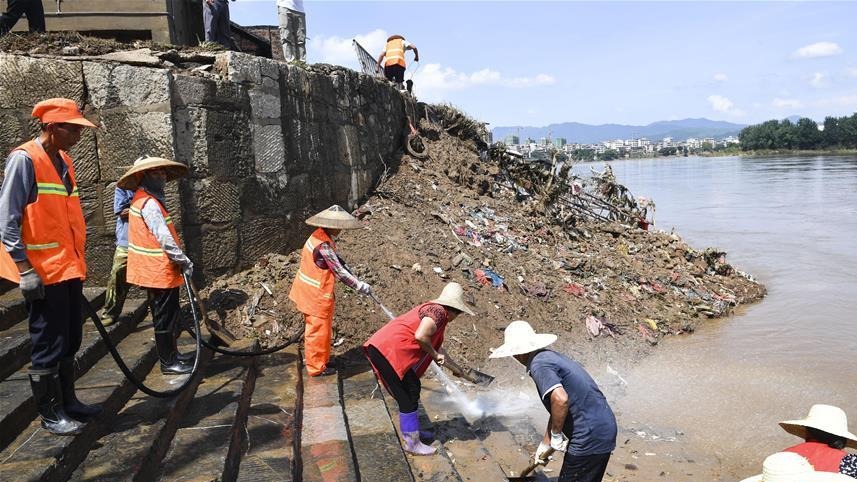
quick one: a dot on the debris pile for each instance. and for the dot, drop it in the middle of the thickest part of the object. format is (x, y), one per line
(594, 275)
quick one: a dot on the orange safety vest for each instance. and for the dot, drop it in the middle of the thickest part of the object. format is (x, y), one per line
(52, 228)
(148, 265)
(395, 51)
(312, 289)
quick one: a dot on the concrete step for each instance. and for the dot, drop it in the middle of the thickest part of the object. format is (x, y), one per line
(134, 443)
(15, 341)
(272, 420)
(469, 456)
(13, 309)
(325, 450)
(37, 455)
(16, 399)
(435, 468)
(374, 439)
(207, 444)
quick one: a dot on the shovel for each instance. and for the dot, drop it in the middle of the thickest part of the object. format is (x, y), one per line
(474, 376)
(525, 474)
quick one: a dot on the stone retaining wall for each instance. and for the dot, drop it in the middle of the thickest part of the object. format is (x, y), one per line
(267, 144)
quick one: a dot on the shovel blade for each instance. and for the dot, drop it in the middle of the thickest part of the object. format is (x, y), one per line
(479, 378)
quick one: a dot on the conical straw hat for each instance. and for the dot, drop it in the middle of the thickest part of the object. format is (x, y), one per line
(131, 178)
(826, 418)
(520, 338)
(334, 217)
(453, 296)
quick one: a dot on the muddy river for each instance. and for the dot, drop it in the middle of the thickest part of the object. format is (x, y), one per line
(792, 223)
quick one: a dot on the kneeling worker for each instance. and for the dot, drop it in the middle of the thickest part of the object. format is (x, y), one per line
(155, 259)
(312, 289)
(581, 422)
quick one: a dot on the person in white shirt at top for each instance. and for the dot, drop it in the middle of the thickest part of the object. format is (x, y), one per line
(292, 29)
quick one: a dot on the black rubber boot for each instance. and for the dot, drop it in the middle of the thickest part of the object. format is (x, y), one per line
(168, 354)
(185, 357)
(48, 397)
(74, 407)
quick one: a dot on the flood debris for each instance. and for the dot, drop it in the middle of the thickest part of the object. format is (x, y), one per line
(573, 255)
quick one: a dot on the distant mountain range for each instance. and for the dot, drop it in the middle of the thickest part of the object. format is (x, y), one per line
(590, 134)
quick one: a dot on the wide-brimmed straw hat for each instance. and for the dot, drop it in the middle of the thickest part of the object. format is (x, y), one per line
(520, 338)
(826, 418)
(453, 297)
(131, 178)
(791, 467)
(60, 111)
(334, 217)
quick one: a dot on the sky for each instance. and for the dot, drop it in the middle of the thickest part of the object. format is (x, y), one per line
(537, 63)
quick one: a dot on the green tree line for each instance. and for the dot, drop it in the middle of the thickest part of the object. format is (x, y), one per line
(838, 133)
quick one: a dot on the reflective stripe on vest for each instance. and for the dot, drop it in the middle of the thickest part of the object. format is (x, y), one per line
(395, 52)
(148, 265)
(53, 230)
(312, 289)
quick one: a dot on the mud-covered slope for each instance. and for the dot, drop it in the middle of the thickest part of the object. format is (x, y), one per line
(448, 218)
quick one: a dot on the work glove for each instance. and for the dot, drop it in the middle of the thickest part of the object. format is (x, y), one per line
(31, 286)
(558, 441)
(363, 288)
(542, 455)
(187, 269)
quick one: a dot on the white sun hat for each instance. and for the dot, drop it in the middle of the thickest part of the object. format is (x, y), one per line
(826, 418)
(453, 296)
(791, 467)
(334, 217)
(520, 338)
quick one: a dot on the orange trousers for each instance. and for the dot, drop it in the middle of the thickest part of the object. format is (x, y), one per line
(317, 334)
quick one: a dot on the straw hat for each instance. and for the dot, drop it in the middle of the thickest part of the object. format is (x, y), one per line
(60, 111)
(791, 467)
(826, 418)
(131, 179)
(334, 217)
(520, 338)
(453, 297)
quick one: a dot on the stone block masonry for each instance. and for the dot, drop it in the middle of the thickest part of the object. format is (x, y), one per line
(268, 144)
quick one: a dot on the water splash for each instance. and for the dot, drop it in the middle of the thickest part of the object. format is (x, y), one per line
(498, 403)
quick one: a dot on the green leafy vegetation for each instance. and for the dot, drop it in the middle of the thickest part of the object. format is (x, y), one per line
(837, 133)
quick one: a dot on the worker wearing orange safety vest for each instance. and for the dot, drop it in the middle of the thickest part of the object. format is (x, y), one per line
(156, 261)
(393, 58)
(44, 234)
(312, 289)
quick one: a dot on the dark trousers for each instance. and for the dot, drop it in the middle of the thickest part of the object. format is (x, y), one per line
(215, 19)
(164, 304)
(32, 8)
(405, 390)
(583, 468)
(56, 324)
(394, 73)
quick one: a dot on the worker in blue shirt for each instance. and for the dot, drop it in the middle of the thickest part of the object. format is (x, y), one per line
(581, 423)
(117, 288)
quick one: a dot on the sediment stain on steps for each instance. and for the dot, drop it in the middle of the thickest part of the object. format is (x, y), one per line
(16, 399)
(379, 455)
(136, 439)
(469, 456)
(325, 451)
(271, 420)
(37, 455)
(201, 443)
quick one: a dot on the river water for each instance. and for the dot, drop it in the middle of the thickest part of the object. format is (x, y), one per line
(792, 223)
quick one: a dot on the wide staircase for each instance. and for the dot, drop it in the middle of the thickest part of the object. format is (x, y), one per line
(240, 419)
